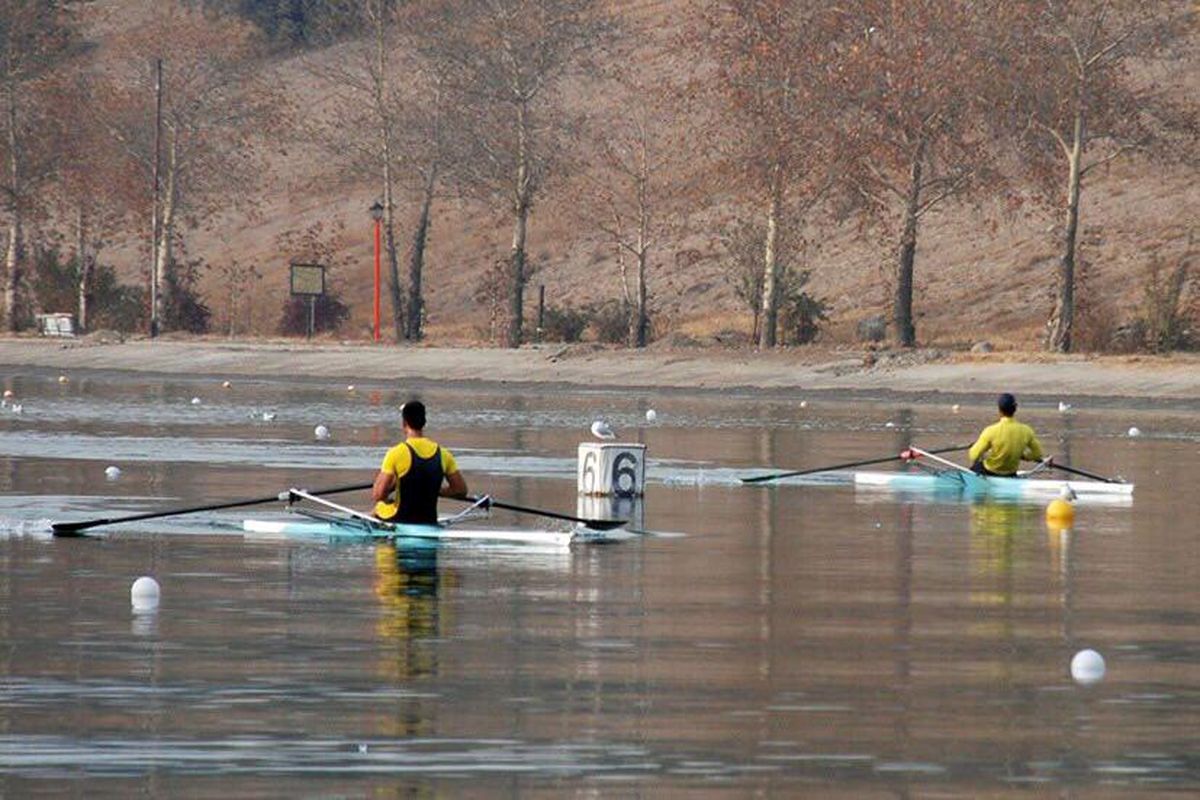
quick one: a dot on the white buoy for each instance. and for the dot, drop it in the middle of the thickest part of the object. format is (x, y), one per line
(889, 424)
(226, 385)
(1134, 431)
(956, 408)
(321, 432)
(195, 401)
(268, 416)
(602, 430)
(651, 415)
(144, 594)
(17, 408)
(804, 404)
(112, 472)
(1063, 407)
(1087, 667)
(63, 379)
(350, 388)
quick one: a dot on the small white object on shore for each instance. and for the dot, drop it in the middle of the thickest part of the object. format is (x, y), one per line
(602, 430)
(1063, 407)
(350, 388)
(651, 415)
(956, 408)
(1134, 431)
(804, 404)
(889, 424)
(112, 472)
(226, 385)
(268, 416)
(1087, 667)
(63, 379)
(8, 393)
(195, 401)
(144, 594)
(321, 432)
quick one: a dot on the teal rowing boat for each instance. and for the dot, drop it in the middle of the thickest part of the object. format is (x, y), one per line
(960, 482)
(354, 529)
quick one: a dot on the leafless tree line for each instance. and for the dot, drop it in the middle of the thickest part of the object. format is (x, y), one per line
(879, 109)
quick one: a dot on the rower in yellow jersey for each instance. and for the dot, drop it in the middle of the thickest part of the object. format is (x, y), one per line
(411, 478)
(1002, 446)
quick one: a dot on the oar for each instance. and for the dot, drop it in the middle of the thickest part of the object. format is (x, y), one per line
(847, 465)
(595, 524)
(1084, 473)
(73, 528)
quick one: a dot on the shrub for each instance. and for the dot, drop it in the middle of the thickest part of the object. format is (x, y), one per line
(563, 324)
(329, 313)
(1165, 318)
(610, 321)
(183, 309)
(111, 304)
(800, 314)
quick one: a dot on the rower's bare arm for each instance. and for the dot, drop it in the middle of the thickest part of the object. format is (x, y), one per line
(456, 486)
(384, 483)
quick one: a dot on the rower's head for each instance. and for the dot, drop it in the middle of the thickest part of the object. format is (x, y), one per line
(413, 415)
(1007, 405)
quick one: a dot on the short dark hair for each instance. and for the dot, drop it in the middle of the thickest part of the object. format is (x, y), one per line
(1007, 404)
(413, 414)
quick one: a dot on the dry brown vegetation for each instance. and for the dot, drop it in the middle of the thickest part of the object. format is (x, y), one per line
(985, 264)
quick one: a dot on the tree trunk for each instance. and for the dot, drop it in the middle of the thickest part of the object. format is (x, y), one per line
(166, 233)
(416, 264)
(641, 331)
(770, 284)
(389, 237)
(902, 309)
(84, 264)
(521, 198)
(15, 253)
(385, 147)
(1062, 319)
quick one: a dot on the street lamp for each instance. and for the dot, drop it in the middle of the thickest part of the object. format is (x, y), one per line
(377, 215)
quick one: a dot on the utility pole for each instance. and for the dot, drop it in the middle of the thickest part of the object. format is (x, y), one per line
(155, 267)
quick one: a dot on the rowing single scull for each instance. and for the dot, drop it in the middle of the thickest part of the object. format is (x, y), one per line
(946, 476)
(343, 523)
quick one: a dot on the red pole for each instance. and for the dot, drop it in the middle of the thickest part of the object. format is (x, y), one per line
(377, 280)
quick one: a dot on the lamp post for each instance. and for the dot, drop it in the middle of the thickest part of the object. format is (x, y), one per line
(377, 215)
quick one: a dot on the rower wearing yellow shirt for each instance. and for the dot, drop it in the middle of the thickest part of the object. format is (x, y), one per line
(1004, 444)
(412, 475)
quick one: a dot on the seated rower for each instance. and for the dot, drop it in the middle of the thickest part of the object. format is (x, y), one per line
(410, 479)
(1004, 444)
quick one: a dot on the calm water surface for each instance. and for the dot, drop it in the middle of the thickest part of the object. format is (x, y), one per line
(804, 639)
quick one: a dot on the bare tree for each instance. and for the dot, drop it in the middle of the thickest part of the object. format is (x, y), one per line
(627, 188)
(507, 60)
(214, 112)
(1080, 105)
(917, 73)
(35, 36)
(775, 86)
(388, 119)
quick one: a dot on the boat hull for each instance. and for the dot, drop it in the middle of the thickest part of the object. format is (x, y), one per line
(990, 486)
(360, 530)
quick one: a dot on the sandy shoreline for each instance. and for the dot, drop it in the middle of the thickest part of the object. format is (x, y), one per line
(1170, 381)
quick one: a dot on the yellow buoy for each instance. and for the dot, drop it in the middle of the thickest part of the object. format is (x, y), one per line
(1060, 513)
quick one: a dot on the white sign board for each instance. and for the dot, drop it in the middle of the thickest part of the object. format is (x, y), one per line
(611, 469)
